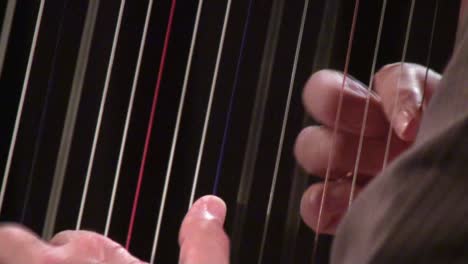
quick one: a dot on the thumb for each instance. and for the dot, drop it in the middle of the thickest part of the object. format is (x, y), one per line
(404, 90)
(202, 239)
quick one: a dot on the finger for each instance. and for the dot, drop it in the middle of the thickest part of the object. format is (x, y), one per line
(91, 246)
(403, 90)
(336, 202)
(321, 98)
(202, 239)
(314, 144)
(19, 245)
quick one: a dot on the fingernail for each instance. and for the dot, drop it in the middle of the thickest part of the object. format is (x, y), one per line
(209, 208)
(406, 125)
(357, 87)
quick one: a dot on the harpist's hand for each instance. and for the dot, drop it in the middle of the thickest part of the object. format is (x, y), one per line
(321, 99)
(18, 246)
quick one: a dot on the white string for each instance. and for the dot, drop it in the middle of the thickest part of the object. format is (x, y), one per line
(403, 59)
(176, 131)
(21, 103)
(101, 111)
(283, 131)
(128, 117)
(6, 29)
(366, 109)
(210, 102)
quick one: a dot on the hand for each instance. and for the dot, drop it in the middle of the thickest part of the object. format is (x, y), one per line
(313, 145)
(18, 245)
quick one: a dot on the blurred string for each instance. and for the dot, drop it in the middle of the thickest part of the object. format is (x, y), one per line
(19, 113)
(6, 29)
(256, 125)
(322, 58)
(283, 131)
(227, 124)
(337, 120)
(70, 119)
(44, 112)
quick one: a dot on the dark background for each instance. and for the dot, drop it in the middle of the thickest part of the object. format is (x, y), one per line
(50, 84)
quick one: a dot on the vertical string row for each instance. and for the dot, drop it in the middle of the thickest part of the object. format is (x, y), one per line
(322, 58)
(150, 124)
(366, 108)
(235, 84)
(128, 117)
(403, 59)
(336, 124)
(176, 131)
(70, 119)
(44, 111)
(19, 113)
(256, 123)
(283, 130)
(100, 114)
(210, 102)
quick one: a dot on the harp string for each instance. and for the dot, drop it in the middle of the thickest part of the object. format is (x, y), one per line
(256, 124)
(70, 119)
(403, 59)
(279, 151)
(100, 114)
(227, 124)
(322, 58)
(6, 29)
(210, 102)
(431, 46)
(176, 130)
(336, 124)
(44, 113)
(150, 124)
(19, 113)
(128, 117)
(366, 108)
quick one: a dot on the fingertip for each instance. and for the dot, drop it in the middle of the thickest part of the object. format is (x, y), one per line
(209, 207)
(406, 126)
(202, 238)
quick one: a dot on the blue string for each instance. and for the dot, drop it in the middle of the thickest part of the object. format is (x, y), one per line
(231, 102)
(40, 133)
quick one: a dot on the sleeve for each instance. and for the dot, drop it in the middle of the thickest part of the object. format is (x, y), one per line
(416, 211)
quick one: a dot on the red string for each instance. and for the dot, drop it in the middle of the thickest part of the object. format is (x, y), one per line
(150, 125)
